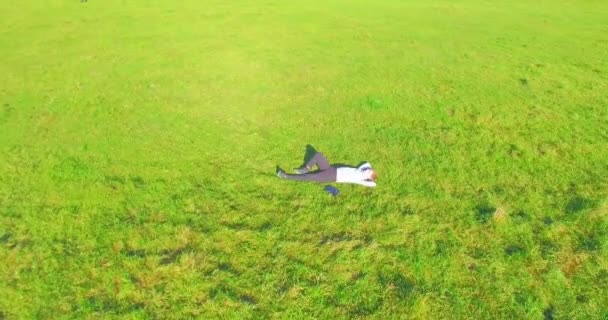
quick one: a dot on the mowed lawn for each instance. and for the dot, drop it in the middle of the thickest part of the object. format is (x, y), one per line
(139, 139)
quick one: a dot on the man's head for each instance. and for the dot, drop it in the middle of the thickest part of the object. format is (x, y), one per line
(370, 174)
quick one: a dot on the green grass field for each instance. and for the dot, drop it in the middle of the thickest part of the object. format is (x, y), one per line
(138, 142)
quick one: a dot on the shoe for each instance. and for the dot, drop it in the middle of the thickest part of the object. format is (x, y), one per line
(301, 170)
(281, 174)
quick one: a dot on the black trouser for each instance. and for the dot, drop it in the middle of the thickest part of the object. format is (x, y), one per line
(326, 172)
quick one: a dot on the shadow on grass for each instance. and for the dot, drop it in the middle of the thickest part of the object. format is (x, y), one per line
(515, 250)
(549, 313)
(309, 152)
(111, 305)
(520, 216)
(589, 242)
(403, 286)
(4, 239)
(172, 255)
(228, 292)
(484, 212)
(577, 204)
(344, 236)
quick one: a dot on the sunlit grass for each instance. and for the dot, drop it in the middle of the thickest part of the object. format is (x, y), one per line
(138, 142)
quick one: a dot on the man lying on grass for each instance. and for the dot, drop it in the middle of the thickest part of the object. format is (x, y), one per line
(363, 174)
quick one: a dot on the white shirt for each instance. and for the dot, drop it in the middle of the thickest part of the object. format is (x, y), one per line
(355, 175)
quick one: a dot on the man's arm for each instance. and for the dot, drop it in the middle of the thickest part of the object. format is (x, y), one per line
(367, 183)
(365, 166)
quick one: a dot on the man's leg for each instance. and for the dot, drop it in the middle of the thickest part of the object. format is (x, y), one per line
(317, 160)
(327, 175)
